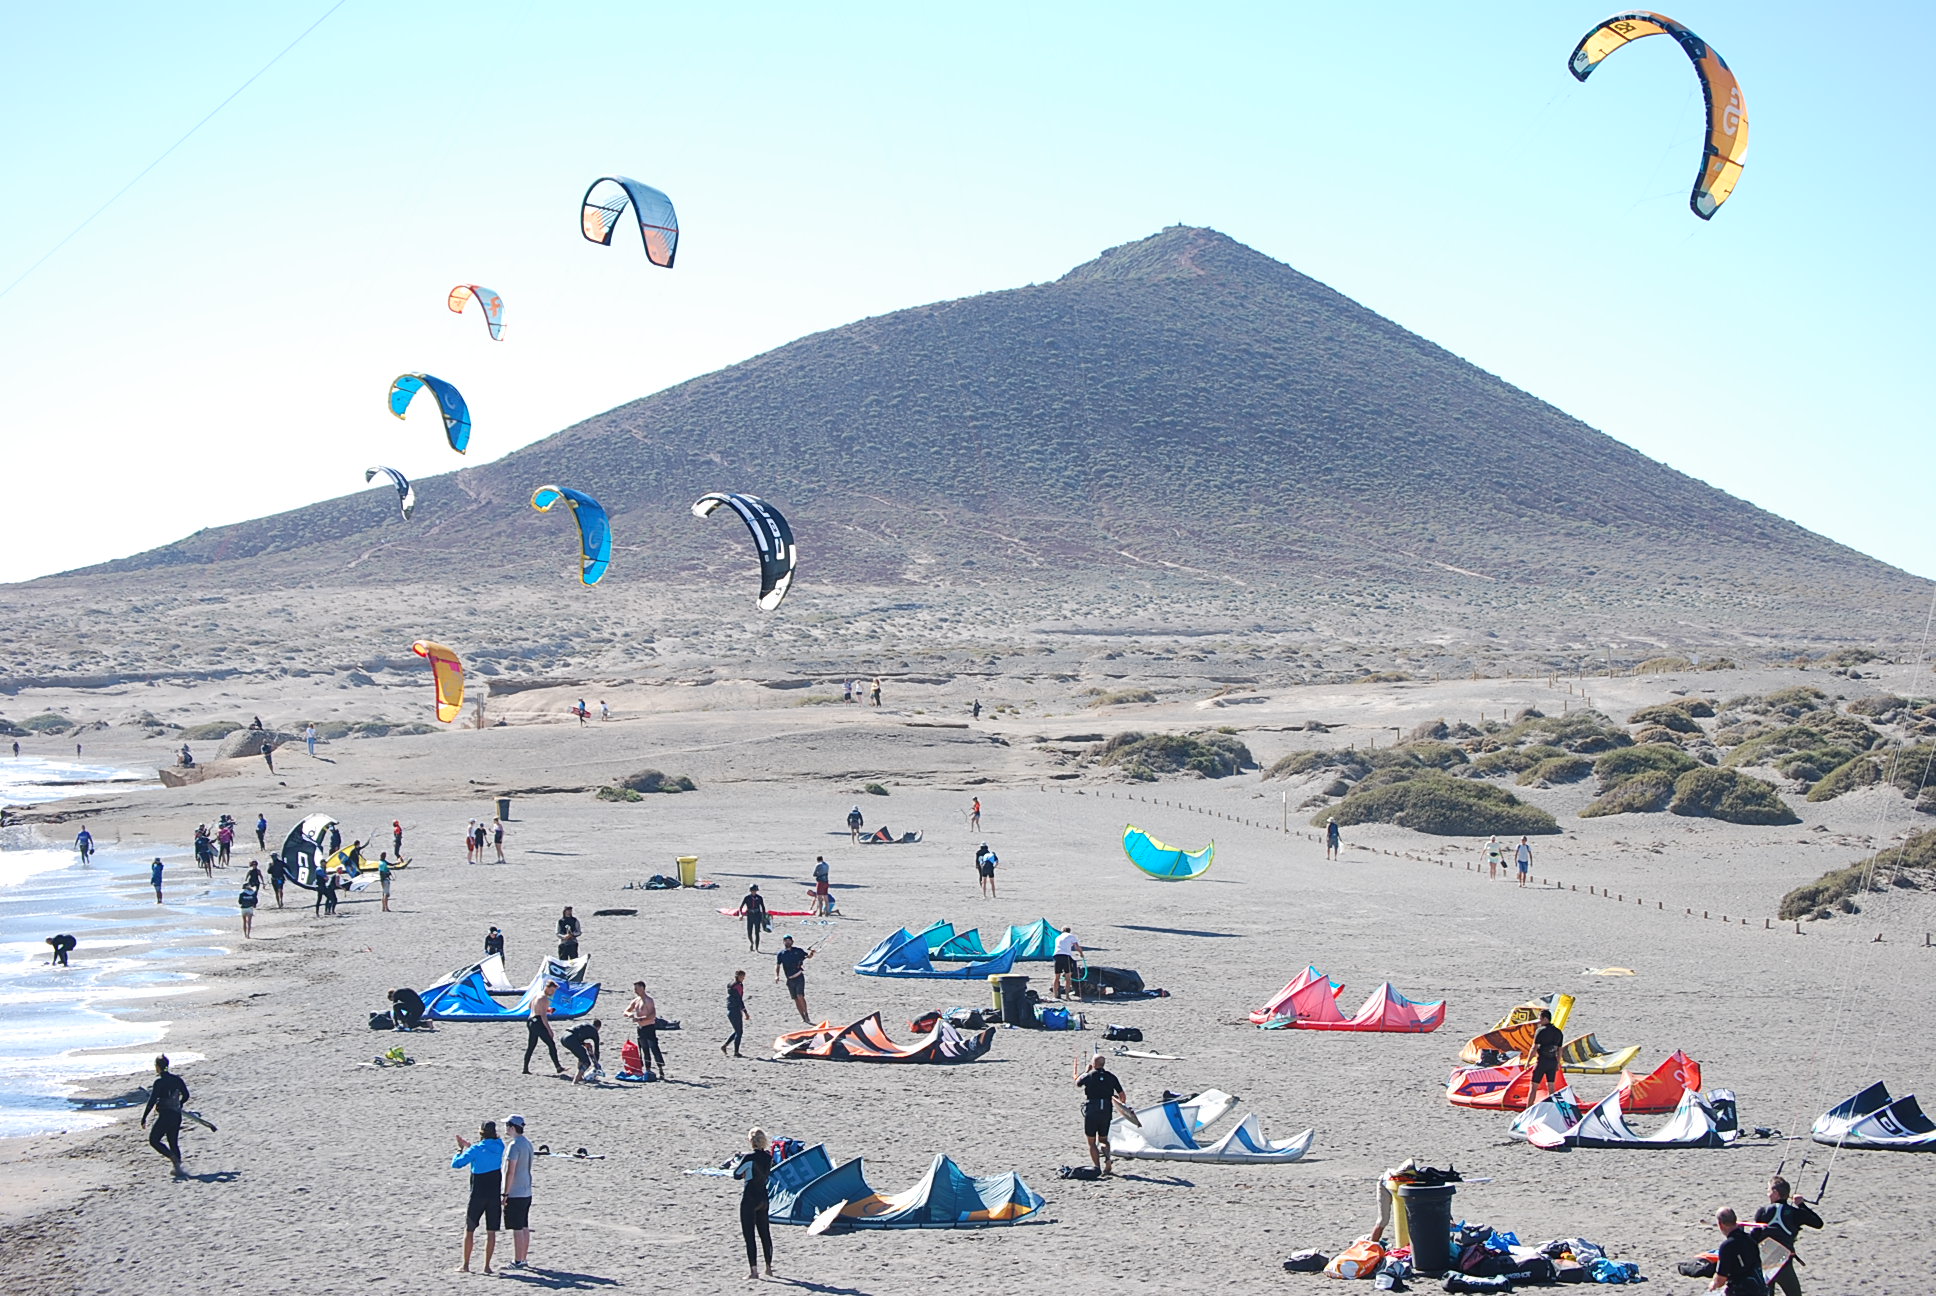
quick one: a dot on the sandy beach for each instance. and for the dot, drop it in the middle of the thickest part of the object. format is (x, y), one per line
(328, 1174)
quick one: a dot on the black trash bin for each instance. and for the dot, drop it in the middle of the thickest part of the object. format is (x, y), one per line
(1011, 1000)
(504, 809)
(1428, 1222)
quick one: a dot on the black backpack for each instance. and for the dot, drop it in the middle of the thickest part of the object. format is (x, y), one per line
(1129, 1033)
(382, 1021)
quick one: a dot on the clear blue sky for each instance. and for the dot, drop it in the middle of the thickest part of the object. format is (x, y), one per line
(218, 344)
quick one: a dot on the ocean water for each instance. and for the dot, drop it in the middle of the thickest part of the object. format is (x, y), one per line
(60, 1027)
(29, 780)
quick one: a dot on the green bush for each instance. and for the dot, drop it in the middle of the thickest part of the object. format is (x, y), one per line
(1098, 698)
(1431, 802)
(1617, 767)
(1795, 701)
(213, 731)
(653, 781)
(1859, 772)
(1656, 734)
(1731, 796)
(1638, 794)
(1667, 717)
(1557, 769)
(618, 794)
(1207, 755)
(47, 722)
(1838, 886)
(873, 789)
(1297, 764)
(1581, 732)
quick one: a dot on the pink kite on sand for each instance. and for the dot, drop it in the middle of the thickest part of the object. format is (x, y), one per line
(1280, 1004)
(1315, 1007)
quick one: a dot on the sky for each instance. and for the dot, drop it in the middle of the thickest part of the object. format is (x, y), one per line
(217, 344)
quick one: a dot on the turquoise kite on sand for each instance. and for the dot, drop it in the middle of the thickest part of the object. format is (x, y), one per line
(1162, 862)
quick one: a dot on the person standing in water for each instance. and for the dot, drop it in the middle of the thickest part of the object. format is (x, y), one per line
(166, 1099)
(751, 1169)
(791, 962)
(84, 844)
(735, 1011)
(485, 1160)
(154, 878)
(246, 900)
(753, 906)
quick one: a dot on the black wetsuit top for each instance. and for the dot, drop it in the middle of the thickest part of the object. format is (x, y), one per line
(1787, 1219)
(568, 929)
(791, 961)
(735, 1001)
(752, 1169)
(494, 944)
(167, 1098)
(578, 1037)
(408, 1005)
(753, 906)
(1739, 1262)
(1099, 1088)
(1546, 1043)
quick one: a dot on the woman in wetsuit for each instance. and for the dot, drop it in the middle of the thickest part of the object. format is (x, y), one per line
(751, 1169)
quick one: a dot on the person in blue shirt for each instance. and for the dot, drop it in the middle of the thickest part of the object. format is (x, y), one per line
(154, 878)
(262, 831)
(485, 1160)
(84, 843)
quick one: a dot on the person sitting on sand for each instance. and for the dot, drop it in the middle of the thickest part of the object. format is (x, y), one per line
(406, 1009)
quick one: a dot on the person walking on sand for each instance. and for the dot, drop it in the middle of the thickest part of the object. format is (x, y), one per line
(1786, 1217)
(245, 900)
(154, 878)
(1546, 1056)
(604, 712)
(309, 739)
(974, 815)
(874, 691)
(537, 1030)
(854, 822)
(1523, 860)
(735, 1011)
(791, 962)
(269, 756)
(262, 832)
(277, 873)
(751, 1169)
(752, 907)
(166, 1099)
(224, 842)
(497, 838)
(1333, 839)
(1102, 1092)
(330, 888)
(519, 1159)
(644, 1014)
(820, 886)
(383, 871)
(84, 844)
(1495, 856)
(485, 1161)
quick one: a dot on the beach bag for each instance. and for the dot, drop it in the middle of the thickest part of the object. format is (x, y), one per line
(924, 1023)
(630, 1059)
(1482, 1261)
(1307, 1262)
(1359, 1260)
(967, 1018)
(1536, 1270)
(1474, 1283)
(1129, 1034)
(382, 1021)
(1698, 1267)
(1055, 1019)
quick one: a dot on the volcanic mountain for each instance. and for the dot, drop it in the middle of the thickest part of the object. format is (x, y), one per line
(1182, 407)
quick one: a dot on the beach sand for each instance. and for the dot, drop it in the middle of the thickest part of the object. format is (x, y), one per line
(328, 1175)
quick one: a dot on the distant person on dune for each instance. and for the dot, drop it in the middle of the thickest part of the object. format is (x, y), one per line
(604, 712)
(974, 815)
(396, 838)
(874, 692)
(1333, 839)
(269, 756)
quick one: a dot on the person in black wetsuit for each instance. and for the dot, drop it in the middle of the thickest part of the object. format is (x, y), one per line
(406, 1009)
(582, 1043)
(1101, 1091)
(493, 942)
(569, 931)
(1737, 1269)
(277, 873)
(64, 943)
(751, 1169)
(1786, 1217)
(537, 1030)
(165, 1102)
(753, 906)
(1546, 1054)
(735, 1011)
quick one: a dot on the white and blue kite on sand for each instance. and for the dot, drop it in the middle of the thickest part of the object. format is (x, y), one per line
(1163, 862)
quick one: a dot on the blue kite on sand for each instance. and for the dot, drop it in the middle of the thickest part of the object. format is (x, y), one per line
(1163, 862)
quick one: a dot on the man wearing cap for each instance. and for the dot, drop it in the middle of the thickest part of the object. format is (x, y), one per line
(517, 1190)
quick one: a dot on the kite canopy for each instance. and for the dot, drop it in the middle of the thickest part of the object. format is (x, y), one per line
(1315, 1007)
(1165, 863)
(450, 403)
(1875, 1122)
(594, 528)
(1500, 1088)
(905, 954)
(771, 536)
(1661, 1091)
(302, 849)
(1168, 1132)
(1698, 1122)
(1725, 150)
(1034, 943)
(605, 201)
(1281, 1003)
(1587, 1056)
(1560, 1005)
(867, 1041)
(470, 1000)
(946, 1197)
(448, 674)
(406, 493)
(487, 301)
(498, 982)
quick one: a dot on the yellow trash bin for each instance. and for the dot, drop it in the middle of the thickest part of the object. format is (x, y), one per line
(688, 870)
